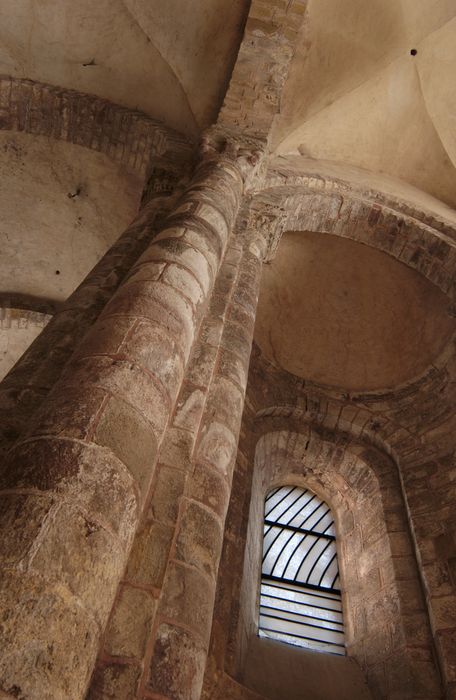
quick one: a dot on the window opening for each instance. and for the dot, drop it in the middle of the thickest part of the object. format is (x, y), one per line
(300, 598)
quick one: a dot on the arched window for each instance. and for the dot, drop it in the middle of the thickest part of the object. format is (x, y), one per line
(300, 599)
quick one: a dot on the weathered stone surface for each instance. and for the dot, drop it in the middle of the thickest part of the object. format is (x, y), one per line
(177, 664)
(31, 667)
(89, 459)
(130, 437)
(161, 379)
(200, 538)
(130, 621)
(149, 556)
(188, 597)
(114, 682)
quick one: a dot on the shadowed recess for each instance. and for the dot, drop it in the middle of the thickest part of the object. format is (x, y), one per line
(341, 313)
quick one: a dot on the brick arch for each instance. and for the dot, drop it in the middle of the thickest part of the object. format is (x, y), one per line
(128, 137)
(383, 603)
(424, 241)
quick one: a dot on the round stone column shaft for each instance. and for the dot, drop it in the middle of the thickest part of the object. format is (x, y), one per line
(74, 485)
(180, 637)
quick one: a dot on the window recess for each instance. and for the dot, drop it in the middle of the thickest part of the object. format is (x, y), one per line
(300, 598)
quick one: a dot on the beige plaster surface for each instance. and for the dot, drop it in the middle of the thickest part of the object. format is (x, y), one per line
(340, 313)
(280, 671)
(436, 69)
(355, 94)
(169, 59)
(44, 230)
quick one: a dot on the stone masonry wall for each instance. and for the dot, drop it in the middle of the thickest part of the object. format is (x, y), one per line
(413, 424)
(395, 648)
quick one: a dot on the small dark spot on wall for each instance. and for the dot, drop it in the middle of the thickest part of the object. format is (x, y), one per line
(57, 272)
(90, 528)
(90, 63)
(72, 195)
(413, 52)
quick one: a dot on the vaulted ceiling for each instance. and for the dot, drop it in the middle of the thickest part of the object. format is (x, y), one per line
(355, 94)
(171, 59)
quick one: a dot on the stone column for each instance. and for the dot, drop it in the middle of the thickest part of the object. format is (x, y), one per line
(181, 633)
(75, 484)
(157, 640)
(30, 380)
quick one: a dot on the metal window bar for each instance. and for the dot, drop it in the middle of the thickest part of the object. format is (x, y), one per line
(300, 607)
(296, 599)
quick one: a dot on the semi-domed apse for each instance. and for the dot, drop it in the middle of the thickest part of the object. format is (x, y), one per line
(338, 312)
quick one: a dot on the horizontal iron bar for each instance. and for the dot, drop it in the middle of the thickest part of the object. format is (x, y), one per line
(310, 617)
(304, 604)
(300, 530)
(299, 584)
(301, 636)
(302, 624)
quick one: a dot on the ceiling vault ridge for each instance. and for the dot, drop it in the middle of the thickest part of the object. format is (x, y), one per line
(164, 59)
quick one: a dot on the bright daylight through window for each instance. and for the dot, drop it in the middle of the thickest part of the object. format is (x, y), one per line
(300, 599)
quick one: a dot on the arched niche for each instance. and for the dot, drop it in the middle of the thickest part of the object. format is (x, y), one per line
(386, 625)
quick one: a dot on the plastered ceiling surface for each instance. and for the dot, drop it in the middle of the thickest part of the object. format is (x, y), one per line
(61, 207)
(355, 94)
(169, 58)
(343, 314)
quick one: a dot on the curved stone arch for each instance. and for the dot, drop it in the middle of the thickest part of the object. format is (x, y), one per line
(325, 204)
(367, 415)
(128, 137)
(383, 601)
(344, 179)
(341, 422)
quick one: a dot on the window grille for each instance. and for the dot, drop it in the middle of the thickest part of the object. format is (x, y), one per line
(300, 599)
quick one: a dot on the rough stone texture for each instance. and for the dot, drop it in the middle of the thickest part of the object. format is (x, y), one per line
(177, 549)
(253, 97)
(413, 422)
(385, 615)
(125, 135)
(403, 423)
(108, 438)
(72, 452)
(139, 390)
